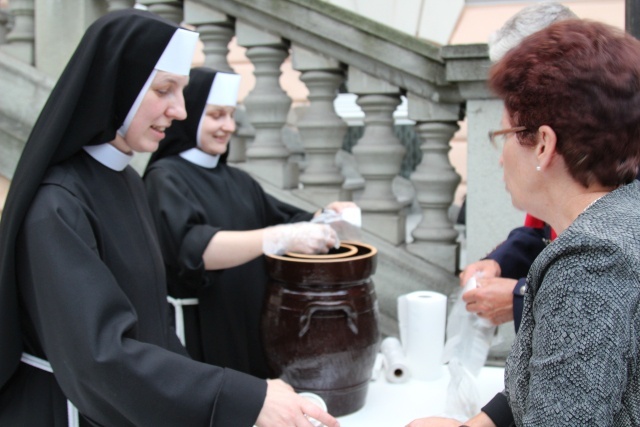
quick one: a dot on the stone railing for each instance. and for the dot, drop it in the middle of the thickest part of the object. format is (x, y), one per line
(333, 49)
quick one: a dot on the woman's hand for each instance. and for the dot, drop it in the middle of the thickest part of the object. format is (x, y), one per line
(300, 237)
(482, 268)
(479, 420)
(434, 422)
(492, 299)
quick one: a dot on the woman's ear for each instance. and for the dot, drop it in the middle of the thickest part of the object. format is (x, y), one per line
(546, 148)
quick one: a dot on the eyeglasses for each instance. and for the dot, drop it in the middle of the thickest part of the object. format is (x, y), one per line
(497, 137)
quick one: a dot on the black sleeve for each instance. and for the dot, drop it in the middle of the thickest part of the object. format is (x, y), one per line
(518, 301)
(181, 224)
(87, 326)
(278, 212)
(498, 410)
(516, 254)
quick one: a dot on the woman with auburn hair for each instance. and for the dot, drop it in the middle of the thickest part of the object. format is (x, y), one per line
(571, 130)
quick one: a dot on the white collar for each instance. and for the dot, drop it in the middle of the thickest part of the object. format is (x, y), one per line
(200, 158)
(109, 156)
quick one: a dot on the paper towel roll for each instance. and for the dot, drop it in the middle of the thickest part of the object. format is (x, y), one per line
(422, 319)
(378, 367)
(396, 368)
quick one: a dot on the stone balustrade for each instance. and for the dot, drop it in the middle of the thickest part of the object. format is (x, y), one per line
(434, 103)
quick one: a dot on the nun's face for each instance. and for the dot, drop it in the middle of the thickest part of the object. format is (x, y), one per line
(216, 128)
(162, 104)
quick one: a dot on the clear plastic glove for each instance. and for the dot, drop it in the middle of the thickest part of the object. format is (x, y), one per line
(346, 222)
(341, 206)
(300, 237)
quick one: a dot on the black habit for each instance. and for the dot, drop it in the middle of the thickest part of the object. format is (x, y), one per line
(82, 281)
(191, 203)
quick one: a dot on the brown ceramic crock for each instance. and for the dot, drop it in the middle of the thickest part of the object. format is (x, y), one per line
(320, 324)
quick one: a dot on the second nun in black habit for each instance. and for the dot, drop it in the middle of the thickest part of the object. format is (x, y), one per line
(214, 223)
(84, 325)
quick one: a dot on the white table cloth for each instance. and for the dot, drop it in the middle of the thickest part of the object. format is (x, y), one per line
(390, 405)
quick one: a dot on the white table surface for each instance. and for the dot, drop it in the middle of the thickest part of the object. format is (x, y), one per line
(390, 404)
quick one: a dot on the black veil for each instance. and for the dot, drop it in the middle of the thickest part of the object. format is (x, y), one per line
(182, 135)
(86, 107)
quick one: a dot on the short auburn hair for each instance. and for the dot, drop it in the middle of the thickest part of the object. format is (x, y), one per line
(582, 79)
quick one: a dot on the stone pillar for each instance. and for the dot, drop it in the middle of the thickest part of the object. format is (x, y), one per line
(120, 4)
(321, 129)
(379, 155)
(5, 19)
(61, 25)
(489, 212)
(435, 182)
(242, 138)
(216, 31)
(267, 107)
(170, 10)
(20, 40)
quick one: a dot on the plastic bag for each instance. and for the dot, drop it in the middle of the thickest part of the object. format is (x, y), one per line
(346, 223)
(469, 339)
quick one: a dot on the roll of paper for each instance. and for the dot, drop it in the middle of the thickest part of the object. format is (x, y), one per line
(422, 320)
(378, 366)
(396, 368)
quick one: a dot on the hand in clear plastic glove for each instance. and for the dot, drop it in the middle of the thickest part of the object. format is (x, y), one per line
(340, 206)
(300, 237)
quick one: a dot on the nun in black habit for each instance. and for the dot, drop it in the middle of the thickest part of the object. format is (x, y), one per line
(214, 223)
(83, 317)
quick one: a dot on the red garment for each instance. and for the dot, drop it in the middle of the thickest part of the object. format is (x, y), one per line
(533, 222)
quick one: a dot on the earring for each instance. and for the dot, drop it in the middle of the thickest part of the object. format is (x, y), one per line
(538, 168)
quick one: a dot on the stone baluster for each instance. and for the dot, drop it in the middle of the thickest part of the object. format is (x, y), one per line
(5, 21)
(242, 138)
(216, 31)
(321, 129)
(170, 10)
(489, 212)
(120, 4)
(60, 27)
(267, 107)
(20, 40)
(379, 155)
(435, 181)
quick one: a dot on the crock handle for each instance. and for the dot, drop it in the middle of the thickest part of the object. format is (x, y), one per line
(305, 319)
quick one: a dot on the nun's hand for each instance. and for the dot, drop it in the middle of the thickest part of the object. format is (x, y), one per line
(300, 237)
(340, 206)
(283, 407)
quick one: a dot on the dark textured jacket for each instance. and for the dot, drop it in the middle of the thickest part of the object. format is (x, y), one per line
(575, 358)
